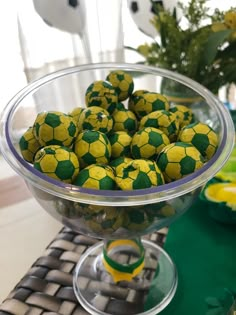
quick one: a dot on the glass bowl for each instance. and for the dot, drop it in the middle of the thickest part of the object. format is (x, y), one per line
(118, 217)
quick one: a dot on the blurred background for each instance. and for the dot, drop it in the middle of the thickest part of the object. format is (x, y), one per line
(40, 36)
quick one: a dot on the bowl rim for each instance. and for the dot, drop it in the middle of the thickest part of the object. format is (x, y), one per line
(117, 197)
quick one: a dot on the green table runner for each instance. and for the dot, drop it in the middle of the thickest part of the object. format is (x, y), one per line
(204, 252)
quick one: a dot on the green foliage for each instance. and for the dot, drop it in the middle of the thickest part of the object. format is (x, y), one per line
(221, 305)
(204, 50)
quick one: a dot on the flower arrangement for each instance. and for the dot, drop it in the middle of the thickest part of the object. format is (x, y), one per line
(199, 45)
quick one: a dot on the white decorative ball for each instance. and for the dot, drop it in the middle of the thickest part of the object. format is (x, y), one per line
(142, 12)
(66, 15)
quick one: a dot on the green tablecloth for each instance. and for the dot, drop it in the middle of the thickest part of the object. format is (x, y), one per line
(204, 252)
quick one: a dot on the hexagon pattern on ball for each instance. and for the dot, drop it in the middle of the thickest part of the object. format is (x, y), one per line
(92, 182)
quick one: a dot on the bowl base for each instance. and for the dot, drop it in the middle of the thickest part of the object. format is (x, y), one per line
(148, 293)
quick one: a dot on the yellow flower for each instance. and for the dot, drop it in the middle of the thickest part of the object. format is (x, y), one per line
(217, 27)
(229, 23)
(143, 50)
(230, 19)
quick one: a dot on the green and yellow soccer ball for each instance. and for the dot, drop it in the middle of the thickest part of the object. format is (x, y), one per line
(55, 128)
(95, 118)
(148, 142)
(163, 120)
(57, 162)
(29, 145)
(91, 147)
(120, 144)
(119, 163)
(160, 210)
(96, 176)
(134, 97)
(178, 160)
(184, 114)
(139, 174)
(202, 136)
(137, 219)
(101, 93)
(149, 102)
(104, 220)
(125, 120)
(76, 112)
(119, 106)
(122, 82)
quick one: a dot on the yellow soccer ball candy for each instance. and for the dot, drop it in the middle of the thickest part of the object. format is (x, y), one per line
(92, 147)
(137, 219)
(101, 93)
(163, 120)
(184, 114)
(76, 112)
(55, 128)
(57, 162)
(104, 220)
(149, 102)
(125, 120)
(95, 118)
(139, 174)
(122, 82)
(133, 97)
(96, 176)
(119, 163)
(202, 136)
(148, 142)
(120, 144)
(178, 160)
(29, 145)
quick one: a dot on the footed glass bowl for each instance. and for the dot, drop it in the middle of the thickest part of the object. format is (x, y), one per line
(129, 275)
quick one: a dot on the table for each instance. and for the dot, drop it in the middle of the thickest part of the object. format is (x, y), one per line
(46, 288)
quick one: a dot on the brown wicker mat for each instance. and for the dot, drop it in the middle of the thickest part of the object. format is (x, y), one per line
(47, 287)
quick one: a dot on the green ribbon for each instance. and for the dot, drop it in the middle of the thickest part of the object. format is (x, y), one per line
(128, 268)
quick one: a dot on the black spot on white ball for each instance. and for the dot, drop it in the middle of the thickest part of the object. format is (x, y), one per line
(73, 3)
(134, 6)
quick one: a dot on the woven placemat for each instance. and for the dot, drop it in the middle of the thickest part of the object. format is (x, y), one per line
(47, 286)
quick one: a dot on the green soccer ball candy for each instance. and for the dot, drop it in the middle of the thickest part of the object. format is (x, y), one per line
(95, 118)
(120, 144)
(139, 174)
(67, 208)
(184, 114)
(103, 94)
(75, 113)
(96, 176)
(149, 102)
(92, 147)
(29, 145)
(122, 82)
(55, 127)
(119, 163)
(57, 162)
(160, 210)
(148, 142)
(104, 220)
(125, 120)
(134, 97)
(178, 160)
(163, 120)
(137, 219)
(202, 136)
(119, 106)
